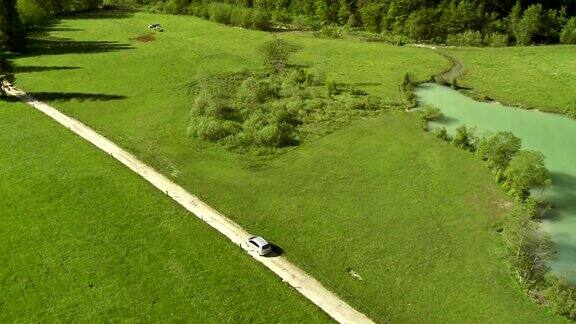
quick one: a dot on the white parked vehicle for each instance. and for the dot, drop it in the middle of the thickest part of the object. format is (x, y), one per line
(259, 244)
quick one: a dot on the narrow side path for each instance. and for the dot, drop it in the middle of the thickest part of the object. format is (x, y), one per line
(290, 273)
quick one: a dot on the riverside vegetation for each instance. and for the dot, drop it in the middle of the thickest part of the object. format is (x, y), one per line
(519, 172)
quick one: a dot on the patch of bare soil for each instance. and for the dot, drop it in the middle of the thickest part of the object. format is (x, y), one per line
(506, 205)
(145, 38)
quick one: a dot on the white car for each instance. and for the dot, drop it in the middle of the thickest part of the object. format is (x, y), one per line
(259, 244)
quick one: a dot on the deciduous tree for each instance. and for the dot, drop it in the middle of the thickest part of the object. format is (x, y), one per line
(12, 32)
(526, 171)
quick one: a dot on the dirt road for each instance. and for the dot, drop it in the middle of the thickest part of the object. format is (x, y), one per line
(290, 273)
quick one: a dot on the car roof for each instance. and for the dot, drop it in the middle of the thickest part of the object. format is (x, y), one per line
(259, 240)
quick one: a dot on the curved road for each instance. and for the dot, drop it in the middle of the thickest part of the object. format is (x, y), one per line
(290, 273)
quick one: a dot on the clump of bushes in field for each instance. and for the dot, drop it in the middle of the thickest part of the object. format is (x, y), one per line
(427, 114)
(6, 73)
(407, 87)
(467, 38)
(570, 112)
(476, 38)
(265, 111)
(333, 32)
(568, 33)
(276, 54)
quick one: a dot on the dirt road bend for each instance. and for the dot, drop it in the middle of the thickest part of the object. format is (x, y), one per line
(290, 273)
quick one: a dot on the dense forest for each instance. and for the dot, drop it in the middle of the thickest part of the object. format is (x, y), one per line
(456, 22)
(453, 22)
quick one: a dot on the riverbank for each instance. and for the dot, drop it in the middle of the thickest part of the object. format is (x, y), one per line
(550, 134)
(525, 77)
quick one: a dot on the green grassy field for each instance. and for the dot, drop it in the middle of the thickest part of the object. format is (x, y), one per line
(536, 77)
(84, 239)
(379, 68)
(414, 217)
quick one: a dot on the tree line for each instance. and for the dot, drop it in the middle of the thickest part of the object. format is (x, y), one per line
(453, 22)
(456, 22)
(16, 16)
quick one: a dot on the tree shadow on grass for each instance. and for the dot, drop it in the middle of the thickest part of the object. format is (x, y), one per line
(32, 68)
(56, 28)
(67, 96)
(119, 13)
(41, 47)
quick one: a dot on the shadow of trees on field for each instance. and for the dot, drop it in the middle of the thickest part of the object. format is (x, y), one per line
(66, 96)
(32, 68)
(55, 28)
(41, 47)
(118, 13)
(42, 42)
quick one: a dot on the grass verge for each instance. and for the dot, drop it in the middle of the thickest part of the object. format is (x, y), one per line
(84, 239)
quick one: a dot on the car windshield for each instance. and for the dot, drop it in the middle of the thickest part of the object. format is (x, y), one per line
(265, 246)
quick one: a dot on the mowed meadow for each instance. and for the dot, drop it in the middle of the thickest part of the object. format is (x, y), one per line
(414, 217)
(85, 239)
(539, 77)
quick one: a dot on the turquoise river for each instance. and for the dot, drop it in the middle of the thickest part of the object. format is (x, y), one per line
(554, 135)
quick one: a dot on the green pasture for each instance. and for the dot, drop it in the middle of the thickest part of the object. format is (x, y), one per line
(85, 239)
(416, 218)
(539, 77)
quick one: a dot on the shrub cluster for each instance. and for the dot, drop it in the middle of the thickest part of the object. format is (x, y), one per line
(276, 54)
(518, 171)
(467, 38)
(568, 33)
(223, 13)
(427, 114)
(475, 38)
(6, 73)
(266, 111)
(407, 87)
(333, 32)
(570, 112)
